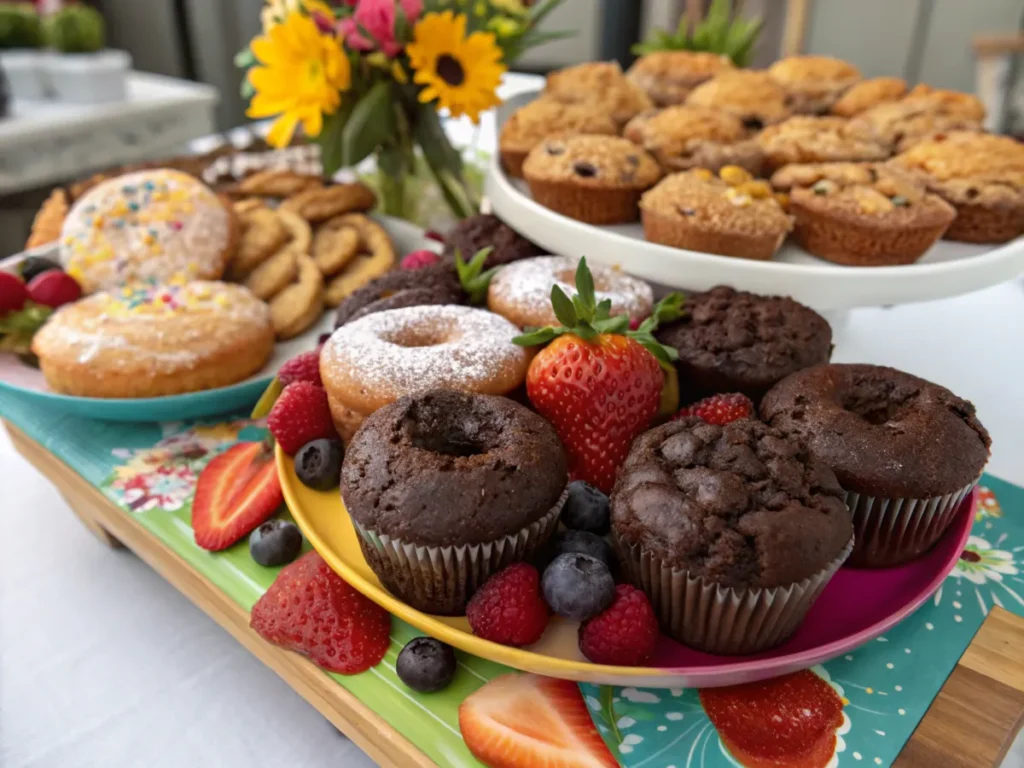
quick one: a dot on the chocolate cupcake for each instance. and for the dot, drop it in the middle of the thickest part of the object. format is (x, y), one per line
(438, 284)
(486, 230)
(446, 488)
(906, 451)
(732, 531)
(734, 341)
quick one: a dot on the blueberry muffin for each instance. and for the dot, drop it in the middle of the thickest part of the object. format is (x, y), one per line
(732, 531)
(601, 84)
(980, 175)
(729, 214)
(922, 114)
(734, 341)
(681, 138)
(754, 97)
(906, 451)
(446, 488)
(544, 118)
(596, 179)
(814, 83)
(486, 230)
(869, 93)
(862, 214)
(669, 76)
(805, 139)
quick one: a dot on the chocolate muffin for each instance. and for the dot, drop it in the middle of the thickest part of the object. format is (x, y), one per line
(438, 284)
(732, 531)
(446, 488)
(734, 341)
(483, 230)
(906, 451)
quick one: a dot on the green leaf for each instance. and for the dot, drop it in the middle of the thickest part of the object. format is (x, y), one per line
(370, 124)
(541, 10)
(539, 336)
(585, 287)
(616, 325)
(585, 331)
(607, 699)
(604, 310)
(563, 306)
(330, 139)
(244, 58)
(247, 91)
(473, 279)
(444, 161)
(668, 309)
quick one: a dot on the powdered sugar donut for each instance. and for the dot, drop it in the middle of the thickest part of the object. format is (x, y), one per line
(149, 340)
(155, 224)
(379, 358)
(521, 292)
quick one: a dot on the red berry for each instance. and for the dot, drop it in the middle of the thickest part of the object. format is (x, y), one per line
(420, 259)
(13, 294)
(623, 635)
(508, 608)
(54, 289)
(300, 414)
(303, 367)
(634, 323)
(719, 409)
(433, 234)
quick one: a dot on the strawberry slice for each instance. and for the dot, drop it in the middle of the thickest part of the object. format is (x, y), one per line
(516, 720)
(236, 491)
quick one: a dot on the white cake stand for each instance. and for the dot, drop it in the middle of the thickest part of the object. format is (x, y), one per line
(948, 269)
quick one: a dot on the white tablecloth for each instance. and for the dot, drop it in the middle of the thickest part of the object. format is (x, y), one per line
(102, 663)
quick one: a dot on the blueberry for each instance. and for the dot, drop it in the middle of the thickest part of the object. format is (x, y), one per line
(275, 542)
(426, 665)
(586, 543)
(586, 509)
(578, 586)
(318, 464)
(36, 265)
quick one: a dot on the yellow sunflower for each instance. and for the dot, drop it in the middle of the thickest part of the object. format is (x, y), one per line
(303, 75)
(462, 73)
(276, 11)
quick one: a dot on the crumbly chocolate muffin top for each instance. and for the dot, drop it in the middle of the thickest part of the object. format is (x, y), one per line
(438, 284)
(483, 230)
(448, 468)
(739, 505)
(745, 341)
(883, 432)
(596, 162)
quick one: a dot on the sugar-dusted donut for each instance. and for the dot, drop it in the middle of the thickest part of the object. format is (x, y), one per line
(149, 340)
(381, 357)
(521, 292)
(147, 225)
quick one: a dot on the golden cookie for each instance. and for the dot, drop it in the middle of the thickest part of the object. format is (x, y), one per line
(263, 234)
(298, 306)
(315, 205)
(248, 204)
(334, 245)
(274, 275)
(377, 256)
(299, 232)
(48, 221)
(279, 182)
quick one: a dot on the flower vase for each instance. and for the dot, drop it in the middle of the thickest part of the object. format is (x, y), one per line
(393, 195)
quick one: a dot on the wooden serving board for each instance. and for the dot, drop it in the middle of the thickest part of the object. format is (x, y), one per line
(972, 722)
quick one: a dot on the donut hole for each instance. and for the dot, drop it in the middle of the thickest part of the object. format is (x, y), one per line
(420, 337)
(431, 427)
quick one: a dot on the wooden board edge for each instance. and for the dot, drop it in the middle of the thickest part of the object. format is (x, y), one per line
(103, 518)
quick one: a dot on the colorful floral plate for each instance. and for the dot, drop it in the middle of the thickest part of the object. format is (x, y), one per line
(857, 606)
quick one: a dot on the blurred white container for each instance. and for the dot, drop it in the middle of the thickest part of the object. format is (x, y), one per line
(88, 78)
(26, 73)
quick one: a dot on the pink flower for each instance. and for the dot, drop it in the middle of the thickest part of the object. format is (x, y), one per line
(377, 17)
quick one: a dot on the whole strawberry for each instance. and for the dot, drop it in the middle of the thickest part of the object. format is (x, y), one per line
(300, 414)
(597, 382)
(719, 409)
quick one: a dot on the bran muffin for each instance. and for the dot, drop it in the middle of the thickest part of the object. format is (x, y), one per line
(814, 83)
(729, 214)
(804, 139)
(545, 118)
(734, 341)
(601, 84)
(754, 97)
(732, 531)
(595, 179)
(906, 451)
(681, 138)
(980, 175)
(668, 76)
(922, 114)
(862, 214)
(869, 93)
(486, 230)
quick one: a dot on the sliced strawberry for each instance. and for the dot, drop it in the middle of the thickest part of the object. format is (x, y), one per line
(518, 720)
(236, 491)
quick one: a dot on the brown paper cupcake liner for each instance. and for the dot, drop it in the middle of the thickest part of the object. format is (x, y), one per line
(676, 232)
(588, 204)
(985, 223)
(441, 580)
(894, 531)
(728, 621)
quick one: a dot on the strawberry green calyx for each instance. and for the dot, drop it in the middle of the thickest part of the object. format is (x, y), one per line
(583, 316)
(472, 275)
(18, 328)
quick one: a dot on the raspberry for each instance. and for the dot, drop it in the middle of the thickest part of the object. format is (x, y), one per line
(719, 409)
(304, 367)
(433, 234)
(634, 323)
(624, 634)
(420, 259)
(508, 608)
(301, 414)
